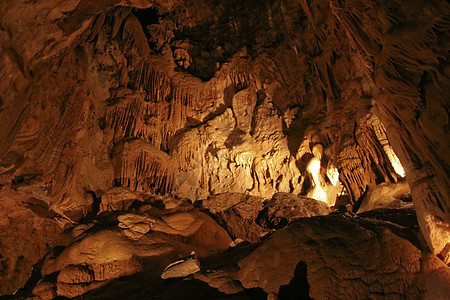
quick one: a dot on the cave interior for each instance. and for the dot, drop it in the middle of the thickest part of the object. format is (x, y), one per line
(205, 149)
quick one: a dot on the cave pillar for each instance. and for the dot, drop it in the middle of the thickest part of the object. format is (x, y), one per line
(427, 180)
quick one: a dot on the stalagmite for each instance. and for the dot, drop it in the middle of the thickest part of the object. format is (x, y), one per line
(317, 192)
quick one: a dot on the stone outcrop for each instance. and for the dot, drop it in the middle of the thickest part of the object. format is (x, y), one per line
(117, 199)
(394, 195)
(182, 268)
(376, 260)
(376, 254)
(153, 128)
(29, 230)
(139, 243)
(284, 208)
(249, 218)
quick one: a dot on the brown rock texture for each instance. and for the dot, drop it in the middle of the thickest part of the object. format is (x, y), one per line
(285, 208)
(147, 128)
(138, 243)
(336, 264)
(28, 232)
(126, 114)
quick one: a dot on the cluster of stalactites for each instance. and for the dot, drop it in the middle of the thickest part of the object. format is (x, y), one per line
(361, 163)
(141, 167)
(369, 160)
(380, 132)
(154, 113)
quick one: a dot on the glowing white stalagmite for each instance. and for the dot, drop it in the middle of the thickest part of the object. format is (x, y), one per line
(317, 192)
(395, 162)
(380, 132)
(333, 175)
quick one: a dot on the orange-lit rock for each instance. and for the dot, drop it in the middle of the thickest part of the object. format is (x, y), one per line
(285, 208)
(386, 196)
(28, 230)
(133, 132)
(342, 257)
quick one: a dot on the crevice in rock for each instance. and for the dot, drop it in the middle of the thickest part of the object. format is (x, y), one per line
(95, 205)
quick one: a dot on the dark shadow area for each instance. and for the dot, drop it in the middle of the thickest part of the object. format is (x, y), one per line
(147, 16)
(272, 222)
(298, 287)
(35, 276)
(235, 138)
(136, 287)
(402, 222)
(295, 134)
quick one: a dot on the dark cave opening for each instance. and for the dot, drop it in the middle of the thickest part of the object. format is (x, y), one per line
(147, 16)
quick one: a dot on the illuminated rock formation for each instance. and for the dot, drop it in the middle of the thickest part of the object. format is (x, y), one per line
(146, 116)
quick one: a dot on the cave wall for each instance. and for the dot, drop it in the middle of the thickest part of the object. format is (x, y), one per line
(197, 97)
(405, 47)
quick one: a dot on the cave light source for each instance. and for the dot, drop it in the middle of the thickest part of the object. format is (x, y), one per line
(395, 162)
(380, 132)
(333, 175)
(317, 192)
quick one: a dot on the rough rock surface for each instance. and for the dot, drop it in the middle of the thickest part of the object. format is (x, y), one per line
(344, 258)
(118, 198)
(250, 218)
(139, 243)
(182, 268)
(237, 213)
(28, 231)
(339, 256)
(230, 119)
(117, 115)
(394, 195)
(285, 208)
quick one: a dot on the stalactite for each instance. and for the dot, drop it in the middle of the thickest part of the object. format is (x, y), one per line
(369, 161)
(380, 132)
(132, 40)
(240, 79)
(156, 111)
(96, 26)
(142, 167)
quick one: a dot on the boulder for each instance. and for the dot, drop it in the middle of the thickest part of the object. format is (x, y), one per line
(237, 213)
(386, 196)
(284, 208)
(182, 268)
(338, 257)
(118, 198)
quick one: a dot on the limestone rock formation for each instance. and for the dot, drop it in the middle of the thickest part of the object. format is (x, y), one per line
(117, 199)
(138, 243)
(394, 195)
(334, 263)
(29, 230)
(250, 218)
(237, 213)
(182, 268)
(134, 132)
(135, 226)
(335, 256)
(285, 208)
